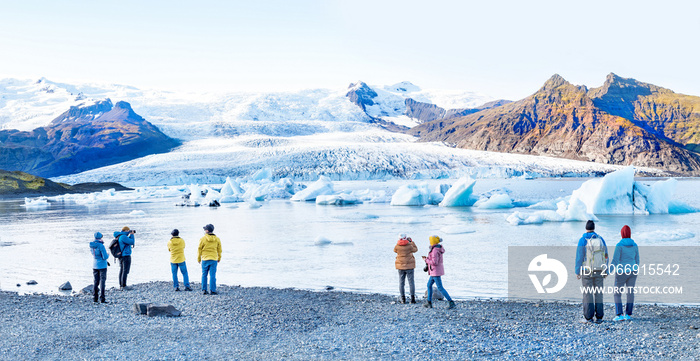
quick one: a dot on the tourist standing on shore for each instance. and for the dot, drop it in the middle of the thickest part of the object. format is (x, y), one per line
(126, 242)
(209, 255)
(99, 267)
(406, 263)
(176, 246)
(625, 258)
(435, 271)
(591, 261)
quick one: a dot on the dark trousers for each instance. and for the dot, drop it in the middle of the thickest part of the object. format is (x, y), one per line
(628, 282)
(124, 267)
(593, 299)
(100, 278)
(402, 279)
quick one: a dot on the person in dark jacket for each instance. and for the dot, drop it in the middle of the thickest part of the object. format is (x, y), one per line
(99, 266)
(126, 242)
(625, 258)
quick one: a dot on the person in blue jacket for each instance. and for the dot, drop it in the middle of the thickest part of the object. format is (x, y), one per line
(126, 242)
(591, 276)
(625, 258)
(99, 266)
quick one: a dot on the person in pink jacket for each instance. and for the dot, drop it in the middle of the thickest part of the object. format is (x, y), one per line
(435, 271)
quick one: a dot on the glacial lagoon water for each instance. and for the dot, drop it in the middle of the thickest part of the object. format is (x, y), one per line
(302, 245)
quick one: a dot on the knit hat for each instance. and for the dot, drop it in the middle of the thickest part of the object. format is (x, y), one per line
(98, 235)
(435, 240)
(626, 232)
(590, 225)
(175, 233)
(403, 236)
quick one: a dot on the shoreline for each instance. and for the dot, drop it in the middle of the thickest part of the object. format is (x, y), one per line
(256, 323)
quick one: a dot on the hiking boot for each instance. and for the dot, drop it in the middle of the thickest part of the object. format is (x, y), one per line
(428, 304)
(619, 318)
(102, 300)
(403, 299)
(214, 293)
(452, 305)
(188, 289)
(94, 300)
(584, 320)
(598, 320)
(413, 299)
(177, 289)
(205, 292)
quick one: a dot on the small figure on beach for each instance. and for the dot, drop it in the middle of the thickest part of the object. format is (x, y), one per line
(591, 267)
(99, 267)
(126, 242)
(625, 262)
(435, 271)
(405, 263)
(209, 255)
(176, 246)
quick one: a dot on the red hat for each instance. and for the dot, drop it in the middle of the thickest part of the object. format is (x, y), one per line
(626, 232)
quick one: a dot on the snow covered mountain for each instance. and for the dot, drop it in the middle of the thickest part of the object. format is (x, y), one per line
(26, 105)
(300, 134)
(396, 103)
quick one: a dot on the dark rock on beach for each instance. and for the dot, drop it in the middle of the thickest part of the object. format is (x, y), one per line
(65, 287)
(162, 310)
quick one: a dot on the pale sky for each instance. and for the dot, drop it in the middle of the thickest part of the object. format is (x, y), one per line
(505, 49)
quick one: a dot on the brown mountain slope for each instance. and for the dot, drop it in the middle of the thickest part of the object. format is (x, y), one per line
(563, 120)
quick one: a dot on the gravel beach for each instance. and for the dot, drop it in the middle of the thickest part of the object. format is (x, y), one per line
(271, 324)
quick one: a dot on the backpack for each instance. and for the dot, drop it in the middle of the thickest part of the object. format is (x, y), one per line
(595, 254)
(114, 248)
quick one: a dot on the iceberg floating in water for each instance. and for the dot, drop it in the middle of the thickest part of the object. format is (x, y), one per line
(337, 199)
(496, 201)
(460, 194)
(323, 186)
(415, 195)
(615, 193)
(36, 204)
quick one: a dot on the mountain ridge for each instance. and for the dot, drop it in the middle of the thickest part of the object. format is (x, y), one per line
(570, 121)
(82, 138)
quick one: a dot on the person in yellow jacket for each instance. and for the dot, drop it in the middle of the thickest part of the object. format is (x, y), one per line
(209, 255)
(176, 246)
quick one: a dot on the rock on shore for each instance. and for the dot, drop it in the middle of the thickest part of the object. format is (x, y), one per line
(265, 324)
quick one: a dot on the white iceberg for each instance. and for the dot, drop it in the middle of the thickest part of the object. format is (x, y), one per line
(323, 186)
(496, 201)
(615, 193)
(231, 188)
(337, 199)
(415, 195)
(460, 194)
(36, 204)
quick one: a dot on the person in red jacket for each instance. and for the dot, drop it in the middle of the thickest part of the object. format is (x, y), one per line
(406, 263)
